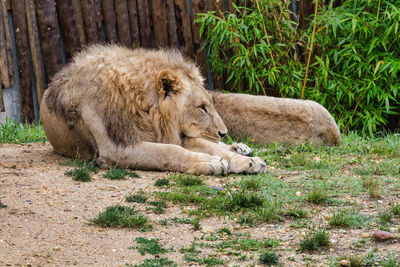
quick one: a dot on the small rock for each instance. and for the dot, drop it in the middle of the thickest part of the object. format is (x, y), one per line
(344, 263)
(364, 235)
(381, 236)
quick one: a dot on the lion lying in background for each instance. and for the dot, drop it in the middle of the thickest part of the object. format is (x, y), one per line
(139, 109)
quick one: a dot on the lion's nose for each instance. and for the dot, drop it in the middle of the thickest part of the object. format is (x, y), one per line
(222, 134)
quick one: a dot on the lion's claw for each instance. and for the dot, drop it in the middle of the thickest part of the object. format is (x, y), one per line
(241, 149)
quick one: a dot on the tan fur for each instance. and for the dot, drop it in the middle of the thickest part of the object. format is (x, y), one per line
(137, 108)
(269, 119)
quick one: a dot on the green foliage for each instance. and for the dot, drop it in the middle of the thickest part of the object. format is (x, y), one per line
(156, 262)
(122, 216)
(355, 63)
(269, 258)
(262, 40)
(119, 174)
(138, 198)
(313, 241)
(79, 174)
(317, 196)
(162, 182)
(11, 132)
(151, 246)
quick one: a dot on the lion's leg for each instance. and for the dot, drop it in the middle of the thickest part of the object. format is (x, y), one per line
(150, 156)
(237, 163)
(239, 148)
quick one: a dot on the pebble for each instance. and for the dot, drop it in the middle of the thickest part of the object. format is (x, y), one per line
(365, 235)
(381, 236)
(344, 263)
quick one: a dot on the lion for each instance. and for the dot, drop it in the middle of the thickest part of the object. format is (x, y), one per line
(266, 119)
(139, 109)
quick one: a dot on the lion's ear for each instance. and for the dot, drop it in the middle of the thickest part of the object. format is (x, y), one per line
(167, 83)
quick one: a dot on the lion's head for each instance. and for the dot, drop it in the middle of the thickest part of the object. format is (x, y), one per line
(184, 97)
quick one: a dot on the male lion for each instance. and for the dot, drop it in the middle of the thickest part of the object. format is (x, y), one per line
(140, 109)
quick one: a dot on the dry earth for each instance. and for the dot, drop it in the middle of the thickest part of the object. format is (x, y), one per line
(46, 221)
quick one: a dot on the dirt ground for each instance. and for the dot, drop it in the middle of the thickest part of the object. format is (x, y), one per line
(46, 221)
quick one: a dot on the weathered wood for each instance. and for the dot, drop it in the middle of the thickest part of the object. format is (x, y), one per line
(7, 34)
(134, 22)
(200, 56)
(184, 27)
(172, 34)
(160, 25)
(25, 74)
(2, 108)
(49, 36)
(91, 18)
(4, 72)
(69, 28)
(36, 52)
(79, 21)
(144, 24)
(124, 31)
(110, 21)
(304, 9)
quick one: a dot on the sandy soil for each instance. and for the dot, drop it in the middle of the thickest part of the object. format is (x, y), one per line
(46, 221)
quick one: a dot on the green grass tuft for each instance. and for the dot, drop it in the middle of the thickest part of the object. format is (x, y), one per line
(157, 262)
(138, 198)
(317, 196)
(17, 133)
(79, 174)
(121, 216)
(119, 174)
(242, 199)
(158, 206)
(151, 246)
(189, 180)
(396, 209)
(162, 182)
(269, 258)
(313, 241)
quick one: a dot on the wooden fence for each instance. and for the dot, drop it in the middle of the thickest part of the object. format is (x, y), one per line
(47, 33)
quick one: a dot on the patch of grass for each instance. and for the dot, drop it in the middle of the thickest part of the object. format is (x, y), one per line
(242, 199)
(391, 262)
(343, 219)
(224, 231)
(184, 180)
(151, 246)
(119, 174)
(252, 183)
(121, 216)
(317, 196)
(269, 258)
(355, 261)
(371, 184)
(80, 163)
(385, 217)
(79, 174)
(17, 133)
(396, 209)
(162, 182)
(138, 198)
(157, 262)
(297, 213)
(314, 240)
(158, 206)
(208, 261)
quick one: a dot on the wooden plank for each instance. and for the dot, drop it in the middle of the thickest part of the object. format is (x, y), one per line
(4, 71)
(36, 52)
(172, 33)
(134, 22)
(49, 36)
(124, 31)
(160, 25)
(25, 74)
(2, 108)
(144, 23)
(91, 18)
(79, 21)
(69, 28)
(110, 21)
(7, 34)
(184, 27)
(200, 56)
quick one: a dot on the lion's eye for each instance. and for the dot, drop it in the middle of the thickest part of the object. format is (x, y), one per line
(203, 108)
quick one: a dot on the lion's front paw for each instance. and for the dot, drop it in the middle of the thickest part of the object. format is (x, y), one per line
(211, 165)
(249, 165)
(241, 149)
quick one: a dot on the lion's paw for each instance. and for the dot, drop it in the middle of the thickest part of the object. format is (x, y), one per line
(248, 165)
(213, 165)
(241, 149)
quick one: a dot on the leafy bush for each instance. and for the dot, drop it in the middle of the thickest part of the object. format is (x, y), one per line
(356, 56)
